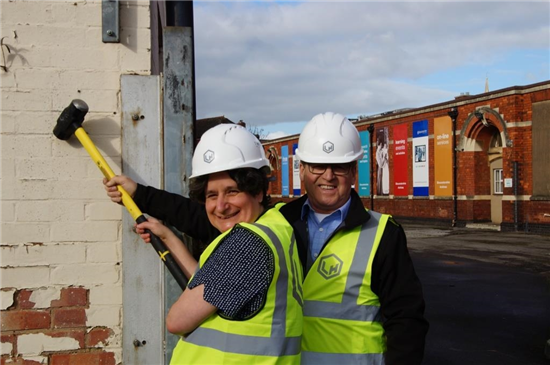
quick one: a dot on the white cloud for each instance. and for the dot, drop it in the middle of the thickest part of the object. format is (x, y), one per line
(273, 62)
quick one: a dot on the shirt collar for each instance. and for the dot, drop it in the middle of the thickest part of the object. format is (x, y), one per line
(306, 208)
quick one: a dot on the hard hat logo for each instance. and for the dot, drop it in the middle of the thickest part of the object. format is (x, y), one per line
(209, 156)
(330, 266)
(328, 147)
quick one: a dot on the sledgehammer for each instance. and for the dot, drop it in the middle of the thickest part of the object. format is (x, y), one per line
(69, 123)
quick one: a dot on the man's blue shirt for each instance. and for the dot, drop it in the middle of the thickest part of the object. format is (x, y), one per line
(319, 232)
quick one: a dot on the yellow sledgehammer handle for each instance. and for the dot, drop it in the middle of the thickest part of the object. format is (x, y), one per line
(96, 156)
(69, 123)
(131, 206)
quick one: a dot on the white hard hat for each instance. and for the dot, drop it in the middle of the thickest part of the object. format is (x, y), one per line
(227, 147)
(329, 138)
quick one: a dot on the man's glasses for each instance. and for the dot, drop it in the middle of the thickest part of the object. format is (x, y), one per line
(338, 169)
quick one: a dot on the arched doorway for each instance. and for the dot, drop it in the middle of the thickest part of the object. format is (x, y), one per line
(482, 137)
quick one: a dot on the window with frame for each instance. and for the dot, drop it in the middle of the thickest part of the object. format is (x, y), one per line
(497, 181)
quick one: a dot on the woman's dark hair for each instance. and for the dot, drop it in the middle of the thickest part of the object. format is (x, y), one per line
(250, 180)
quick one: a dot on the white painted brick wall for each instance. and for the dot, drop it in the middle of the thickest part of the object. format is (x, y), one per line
(25, 277)
(48, 211)
(106, 294)
(36, 343)
(43, 254)
(6, 299)
(103, 315)
(57, 226)
(85, 274)
(5, 348)
(7, 212)
(103, 211)
(25, 232)
(102, 252)
(85, 231)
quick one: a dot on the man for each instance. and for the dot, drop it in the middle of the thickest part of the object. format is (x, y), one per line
(363, 302)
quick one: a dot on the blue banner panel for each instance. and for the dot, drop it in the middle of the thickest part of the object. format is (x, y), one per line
(364, 165)
(284, 171)
(295, 172)
(420, 159)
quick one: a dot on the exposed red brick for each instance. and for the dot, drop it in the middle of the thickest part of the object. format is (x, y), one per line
(15, 320)
(68, 317)
(98, 335)
(71, 297)
(7, 360)
(31, 362)
(7, 338)
(88, 358)
(22, 299)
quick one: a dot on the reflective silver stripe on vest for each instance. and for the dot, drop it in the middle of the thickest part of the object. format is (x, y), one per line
(277, 344)
(247, 345)
(347, 359)
(348, 308)
(297, 292)
(278, 326)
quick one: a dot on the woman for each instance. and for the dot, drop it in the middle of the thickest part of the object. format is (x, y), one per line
(243, 303)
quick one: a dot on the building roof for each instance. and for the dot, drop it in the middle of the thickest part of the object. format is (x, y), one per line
(202, 125)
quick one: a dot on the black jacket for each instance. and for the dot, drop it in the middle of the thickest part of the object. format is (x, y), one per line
(394, 279)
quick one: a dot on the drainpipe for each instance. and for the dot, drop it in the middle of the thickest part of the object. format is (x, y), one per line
(370, 128)
(453, 114)
(515, 182)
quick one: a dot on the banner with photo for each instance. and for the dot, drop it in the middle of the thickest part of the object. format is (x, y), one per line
(400, 161)
(443, 156)
(284, 171)
(382, 162)
(421, 163)
(364, 165)
(295, 172)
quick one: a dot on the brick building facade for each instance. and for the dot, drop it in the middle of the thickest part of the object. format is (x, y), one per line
(502, 135)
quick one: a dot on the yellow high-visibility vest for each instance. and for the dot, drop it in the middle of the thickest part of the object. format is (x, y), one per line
(273, 335)
(342, 321)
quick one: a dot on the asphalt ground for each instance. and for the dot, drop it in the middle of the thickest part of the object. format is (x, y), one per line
(487, 295)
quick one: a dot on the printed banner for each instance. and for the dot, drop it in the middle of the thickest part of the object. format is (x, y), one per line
(443, 156)
(284, 171)
(295, 171)
(421, 163)
(382, 162)
(364, 165)
(400, 161)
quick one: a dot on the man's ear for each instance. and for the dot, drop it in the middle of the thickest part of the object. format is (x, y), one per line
(302, 171)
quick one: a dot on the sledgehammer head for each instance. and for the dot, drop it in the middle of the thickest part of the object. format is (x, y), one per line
(70, 119)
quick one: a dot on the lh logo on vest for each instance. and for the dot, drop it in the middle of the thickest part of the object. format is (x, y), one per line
(330, 266)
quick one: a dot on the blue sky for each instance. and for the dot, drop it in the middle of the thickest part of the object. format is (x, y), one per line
(277, 64)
